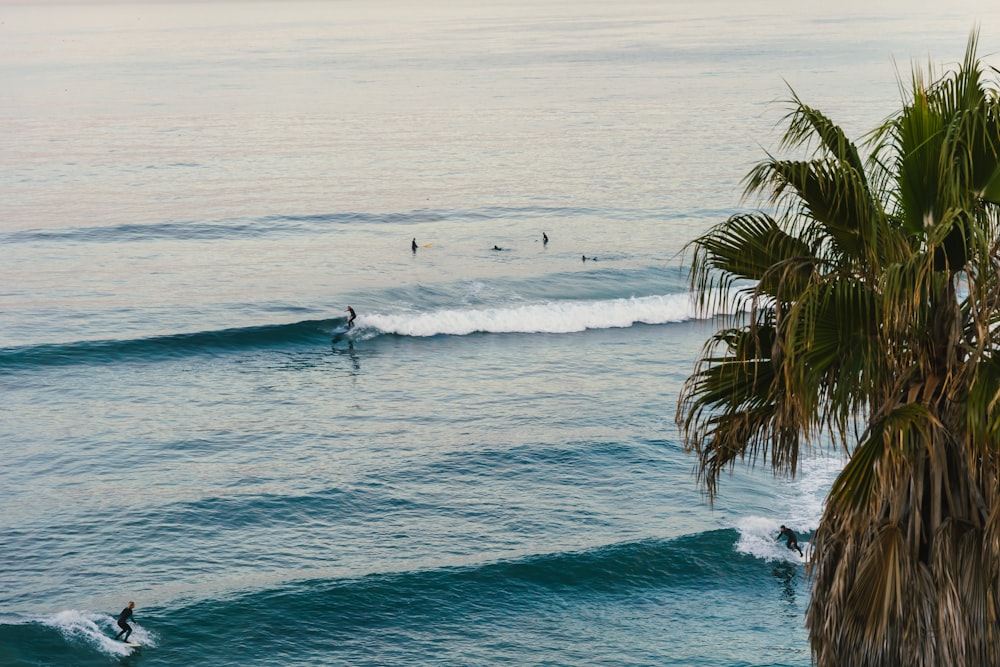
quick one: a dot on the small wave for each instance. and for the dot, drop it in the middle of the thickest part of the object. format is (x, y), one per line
(157, 348)
(448, 594)
(275, 224)
(325, 613)
(172, 230)
(691, 560)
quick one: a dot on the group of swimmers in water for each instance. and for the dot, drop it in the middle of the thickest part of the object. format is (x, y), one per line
(545, 242)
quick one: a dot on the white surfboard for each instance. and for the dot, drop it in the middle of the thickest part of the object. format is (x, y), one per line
(132, 644)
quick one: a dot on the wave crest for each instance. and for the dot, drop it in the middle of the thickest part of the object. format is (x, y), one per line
(551, 317)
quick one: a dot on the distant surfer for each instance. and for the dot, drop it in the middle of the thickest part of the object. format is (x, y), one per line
(496, 247)
(413, 244)
(123, 621)
(545, 238)
(351, 318)
(793, 541)
(592, 259)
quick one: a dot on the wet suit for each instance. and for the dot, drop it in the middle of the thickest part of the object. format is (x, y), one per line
(350, 320)
(793, 541)
(123, 623)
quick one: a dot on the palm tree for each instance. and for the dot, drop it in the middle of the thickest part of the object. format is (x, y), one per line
(872, 324)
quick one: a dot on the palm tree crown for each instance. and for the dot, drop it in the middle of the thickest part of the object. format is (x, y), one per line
(872, 293)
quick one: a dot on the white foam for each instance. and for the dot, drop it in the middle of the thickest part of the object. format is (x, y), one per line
(548, 317)
(96, 629)
(799, 505)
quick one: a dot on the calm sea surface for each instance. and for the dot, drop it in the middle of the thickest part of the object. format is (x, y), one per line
(486, 470)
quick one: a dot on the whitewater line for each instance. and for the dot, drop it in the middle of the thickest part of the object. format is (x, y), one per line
(547, 317)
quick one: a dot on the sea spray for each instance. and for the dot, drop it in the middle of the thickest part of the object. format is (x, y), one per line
(94, 629)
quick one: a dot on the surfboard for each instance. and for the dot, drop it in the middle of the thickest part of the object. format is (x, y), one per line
(427, 245)
(132, 644)
(339, 331)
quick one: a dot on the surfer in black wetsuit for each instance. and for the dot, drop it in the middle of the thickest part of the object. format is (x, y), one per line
(123, 621)
(545, 238)
(350, 319)
(793, 541)
(413, 244)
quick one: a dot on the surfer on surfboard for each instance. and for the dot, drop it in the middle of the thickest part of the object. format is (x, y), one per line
(793, 541)
(123, 618)
(350, 319)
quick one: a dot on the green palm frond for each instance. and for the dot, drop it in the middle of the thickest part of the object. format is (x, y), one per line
(742, 377)
(807, 124)
(974, 134)
(823, 191)
(861, 483)
(907, 291)
(743, 250)
(919, 140)
(729, 408)
(947, 143)
(854, 487)
(747, 437)
(981, 407)
(831, 350)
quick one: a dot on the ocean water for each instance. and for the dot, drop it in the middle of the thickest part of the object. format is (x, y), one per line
(486, 470)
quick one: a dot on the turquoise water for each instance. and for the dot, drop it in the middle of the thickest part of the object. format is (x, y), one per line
(486, 470)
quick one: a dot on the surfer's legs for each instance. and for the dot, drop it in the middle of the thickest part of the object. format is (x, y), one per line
(126, 630)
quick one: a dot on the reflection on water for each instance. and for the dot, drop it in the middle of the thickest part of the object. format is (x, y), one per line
(344, 347)
(787, 574)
